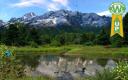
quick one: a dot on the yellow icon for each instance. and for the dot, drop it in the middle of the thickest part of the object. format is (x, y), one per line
(117, 9)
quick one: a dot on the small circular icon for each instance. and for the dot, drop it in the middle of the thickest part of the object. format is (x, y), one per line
(117, 8)
(7, 53)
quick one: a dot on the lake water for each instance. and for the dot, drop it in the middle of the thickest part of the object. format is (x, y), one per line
(67, 67)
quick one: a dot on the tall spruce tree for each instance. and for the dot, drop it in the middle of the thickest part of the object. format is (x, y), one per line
(125, 23)
(12, 35)
(102, 38)
(34, 36)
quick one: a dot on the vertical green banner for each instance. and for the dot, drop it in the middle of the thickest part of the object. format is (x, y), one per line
(117, 9)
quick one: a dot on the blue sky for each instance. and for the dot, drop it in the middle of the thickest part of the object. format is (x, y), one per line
(17, 8)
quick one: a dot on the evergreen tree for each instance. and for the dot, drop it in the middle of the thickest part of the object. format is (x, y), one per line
(12, 35)
(87, 37)
(102, 38)
(2, 35)
(125, 24)
(116, 41)
(23, 34)
(34, 36)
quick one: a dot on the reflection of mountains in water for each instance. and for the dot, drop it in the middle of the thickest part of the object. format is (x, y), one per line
(69, 67)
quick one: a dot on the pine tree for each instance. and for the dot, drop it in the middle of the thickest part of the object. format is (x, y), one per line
(12, 35)
(125, 24)
(34, 35)
(102, 38)
(116, 41)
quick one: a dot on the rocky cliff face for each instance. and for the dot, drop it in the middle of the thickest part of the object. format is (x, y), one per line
(60, 17)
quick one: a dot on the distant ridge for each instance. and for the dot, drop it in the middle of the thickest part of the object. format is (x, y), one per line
(62, 17)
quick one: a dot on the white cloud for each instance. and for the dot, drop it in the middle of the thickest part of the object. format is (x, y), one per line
(63, 2)
(50, 5)
(28, 3)
(106, 13)
(58, 4)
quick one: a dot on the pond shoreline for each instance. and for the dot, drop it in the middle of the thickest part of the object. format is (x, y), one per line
(76, 50)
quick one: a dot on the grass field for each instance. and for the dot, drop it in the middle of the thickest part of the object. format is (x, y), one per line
(79, 50)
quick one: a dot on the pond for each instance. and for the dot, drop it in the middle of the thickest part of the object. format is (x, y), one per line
(65, 67)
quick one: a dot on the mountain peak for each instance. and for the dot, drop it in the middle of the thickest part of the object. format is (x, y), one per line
(29, 15)
(60, 17)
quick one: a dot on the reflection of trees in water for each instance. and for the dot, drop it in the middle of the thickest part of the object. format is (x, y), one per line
(30, 60)
(67, 66)
(64, 68)
(61, 66)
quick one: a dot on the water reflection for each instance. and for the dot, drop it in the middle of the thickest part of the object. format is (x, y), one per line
(68, 68)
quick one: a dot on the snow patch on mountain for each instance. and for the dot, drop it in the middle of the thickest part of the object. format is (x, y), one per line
(61, 17)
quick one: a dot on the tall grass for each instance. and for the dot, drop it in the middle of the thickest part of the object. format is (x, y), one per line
(119, 73)
(35, 78)
(106, 75)
(86, 51)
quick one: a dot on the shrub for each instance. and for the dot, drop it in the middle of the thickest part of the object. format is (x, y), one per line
(33, 44)
(105, 75)
(121, 71)
(89, 43)
(55, 43)
(116, 41)
(118, 73)
(9, 66)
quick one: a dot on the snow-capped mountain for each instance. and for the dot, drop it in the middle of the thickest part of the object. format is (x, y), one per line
(61, 17)
(25, 19)
(29, 16)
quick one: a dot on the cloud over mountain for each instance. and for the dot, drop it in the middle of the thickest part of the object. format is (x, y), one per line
(106, 13)
(50, 5)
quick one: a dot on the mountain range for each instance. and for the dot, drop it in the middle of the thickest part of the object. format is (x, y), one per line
(61, 17)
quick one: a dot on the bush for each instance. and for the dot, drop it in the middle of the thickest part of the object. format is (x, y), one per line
(33, 44)
(55, 43)
(9, 66)
(118, 73)
(106, 75)
(121, 71)
(11, 69)
(89, 43)
(116, 41)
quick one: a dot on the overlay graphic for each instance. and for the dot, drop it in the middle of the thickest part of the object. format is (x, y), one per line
(117, 9)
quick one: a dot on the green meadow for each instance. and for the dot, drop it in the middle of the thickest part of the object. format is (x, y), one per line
(73, 50)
